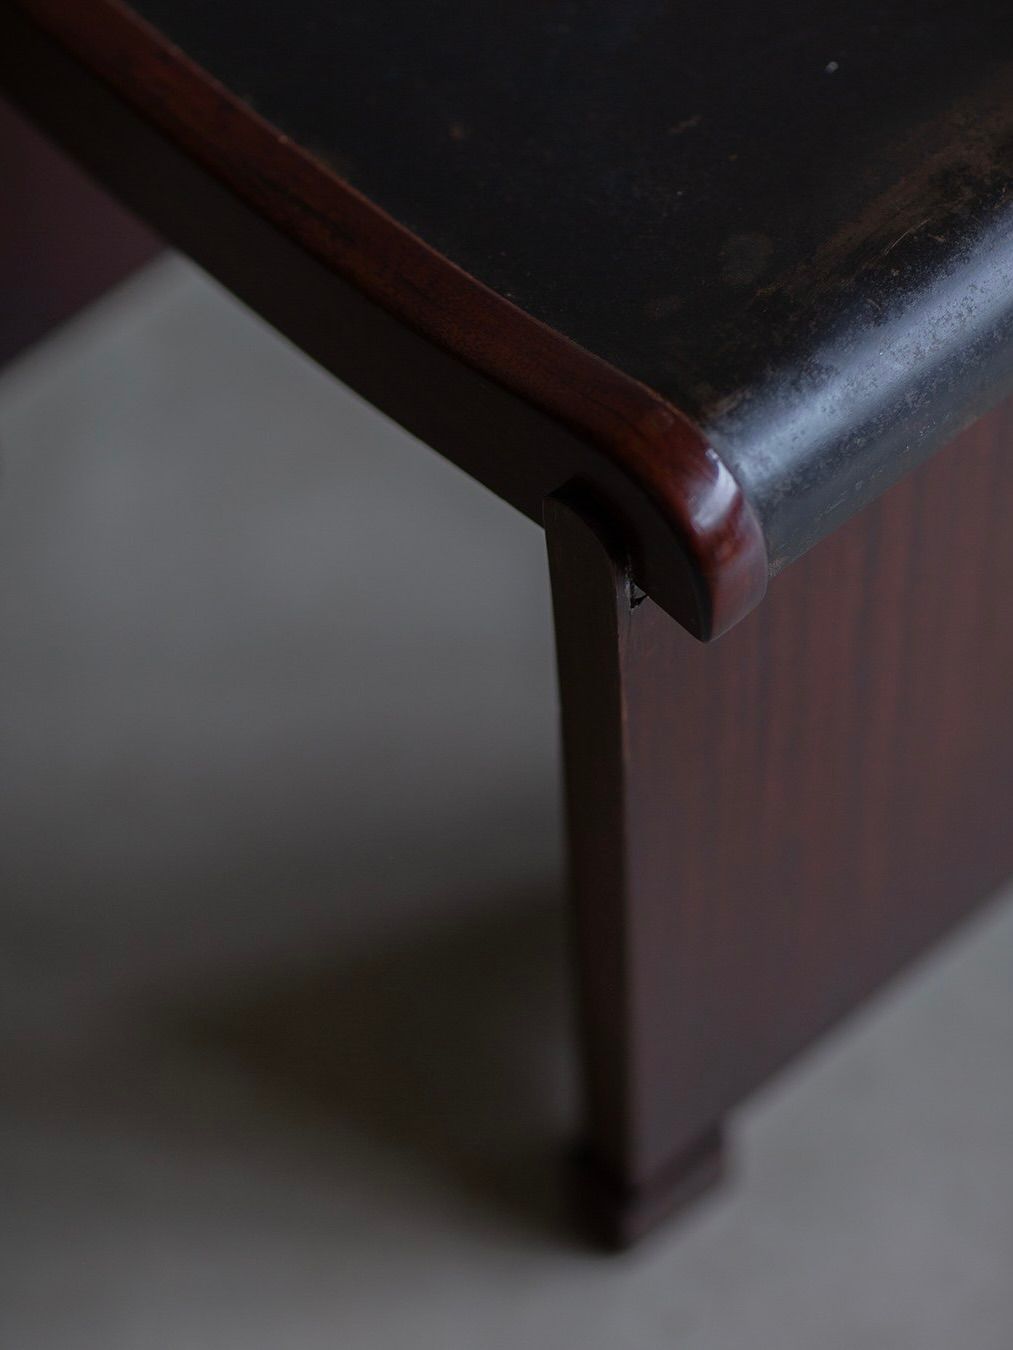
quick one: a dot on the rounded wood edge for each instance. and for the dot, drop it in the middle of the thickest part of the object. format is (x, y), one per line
(701, 555)
(716, 528)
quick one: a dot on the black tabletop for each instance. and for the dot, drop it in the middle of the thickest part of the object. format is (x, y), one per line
(793, 220)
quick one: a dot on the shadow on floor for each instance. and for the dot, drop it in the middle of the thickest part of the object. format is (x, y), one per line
(453, 1048)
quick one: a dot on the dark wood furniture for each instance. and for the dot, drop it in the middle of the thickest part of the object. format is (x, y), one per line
(63, 241)
(696, 284)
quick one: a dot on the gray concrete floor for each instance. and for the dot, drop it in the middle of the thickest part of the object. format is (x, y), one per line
(285, 1052)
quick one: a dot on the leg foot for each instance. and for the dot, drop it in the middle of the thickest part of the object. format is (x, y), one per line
(617, 1214)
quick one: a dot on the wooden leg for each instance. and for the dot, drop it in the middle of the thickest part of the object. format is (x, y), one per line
(62, 240)
(764, 830)
(630, 1179)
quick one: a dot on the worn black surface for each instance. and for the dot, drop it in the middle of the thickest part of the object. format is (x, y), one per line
(793, 219)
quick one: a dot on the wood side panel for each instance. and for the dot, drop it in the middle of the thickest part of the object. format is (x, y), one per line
(62, 240)
(800, 808)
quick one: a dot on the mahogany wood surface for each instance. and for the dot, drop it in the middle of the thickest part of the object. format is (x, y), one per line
(764, 830)
(512, 401)
(792, 221)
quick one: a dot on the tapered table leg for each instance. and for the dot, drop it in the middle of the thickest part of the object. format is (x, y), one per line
(628, 1182)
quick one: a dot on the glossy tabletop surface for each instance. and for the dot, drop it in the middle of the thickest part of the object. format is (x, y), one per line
(793, 221)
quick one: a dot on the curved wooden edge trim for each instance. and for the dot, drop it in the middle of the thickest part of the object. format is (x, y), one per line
(717, 536)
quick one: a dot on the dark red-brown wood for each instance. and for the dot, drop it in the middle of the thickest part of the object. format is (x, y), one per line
(62, 240)
(809, 254)
(511, 400)
(764, 830)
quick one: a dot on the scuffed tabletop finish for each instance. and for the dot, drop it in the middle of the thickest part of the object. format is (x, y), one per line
(794, 222)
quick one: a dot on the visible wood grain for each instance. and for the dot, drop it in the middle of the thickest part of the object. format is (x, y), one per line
(763, 831)
(512, 401)
(63, 242)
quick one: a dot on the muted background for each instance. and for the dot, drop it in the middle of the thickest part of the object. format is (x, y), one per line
(286, 1055)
